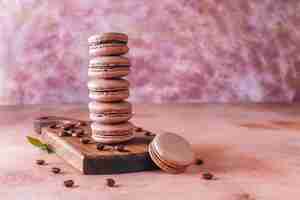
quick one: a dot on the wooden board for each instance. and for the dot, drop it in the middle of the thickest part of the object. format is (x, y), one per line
(87, 158)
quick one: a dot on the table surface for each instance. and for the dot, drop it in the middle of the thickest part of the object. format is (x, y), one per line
(253, 150)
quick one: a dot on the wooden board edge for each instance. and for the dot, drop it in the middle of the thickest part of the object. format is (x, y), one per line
(64, 150)
(142, 162)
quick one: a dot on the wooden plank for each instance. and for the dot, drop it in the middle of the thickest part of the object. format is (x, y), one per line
(89, 160)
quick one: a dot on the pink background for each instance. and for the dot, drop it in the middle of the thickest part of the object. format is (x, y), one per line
(184, 50)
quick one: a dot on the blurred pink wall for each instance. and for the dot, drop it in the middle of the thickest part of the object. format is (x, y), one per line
(183, 50)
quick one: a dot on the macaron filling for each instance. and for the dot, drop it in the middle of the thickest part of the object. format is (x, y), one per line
(112, 69)
(112, 114)
(115, 89)
(107, 67)
(106, 45)
(110, 92)
(96, 43)
(113, 133)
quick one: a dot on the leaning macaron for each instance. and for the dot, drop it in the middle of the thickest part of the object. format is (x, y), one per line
(108, 44)
(109, 67)
(171, 152)
(110, 113)
(108, 90)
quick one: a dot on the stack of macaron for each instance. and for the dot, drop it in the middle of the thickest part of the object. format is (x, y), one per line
(108, 90)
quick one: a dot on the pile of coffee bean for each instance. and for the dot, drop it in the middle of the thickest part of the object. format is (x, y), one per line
(74, 129)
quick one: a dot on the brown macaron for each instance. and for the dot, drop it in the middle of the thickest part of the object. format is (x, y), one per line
(171, 152)
(109, 67)
(110, 113)
(112, 133)
(108, 90)
(108, 44)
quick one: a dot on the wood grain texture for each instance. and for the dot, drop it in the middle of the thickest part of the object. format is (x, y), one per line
(89, 160)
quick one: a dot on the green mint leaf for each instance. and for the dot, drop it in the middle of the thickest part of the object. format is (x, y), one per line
(37, 143)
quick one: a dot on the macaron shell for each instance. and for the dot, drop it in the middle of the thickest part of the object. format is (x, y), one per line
(173, 149)
(109, 51)
(112, 130)
(112, 140)
(110, 119)
(98, 107)
(109, 60)
(114, 96)
(108, 84)
(109, 36)
(116, 72)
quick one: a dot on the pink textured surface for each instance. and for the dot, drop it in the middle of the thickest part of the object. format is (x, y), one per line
(258, 162)
(185, 50)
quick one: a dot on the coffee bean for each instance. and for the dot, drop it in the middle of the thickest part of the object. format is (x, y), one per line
(100, 147)
(63, 133)
(199, 162)
(80, 124)
(121, 148)
(68, 126)
(54, 126)
(207, 176)
(55, 170)
(138, 129)
(84, 140)
(40, 162)
(69, 183)
(78, 133)
(110, 182)
(148, 133)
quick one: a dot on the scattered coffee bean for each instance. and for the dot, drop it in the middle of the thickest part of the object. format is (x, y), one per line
(207, 176)
(69, 183)
(77, 135)
(84, 140)
(55, 170)
(100, 147)
(121, 148)
(40, 162)
(148, 133)
(80, 124)
(63, 133)
(110, 182)
(199, 162)
(68, 126)
(138, 129)
(79, 131)
(74, 134)
(54, 126)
